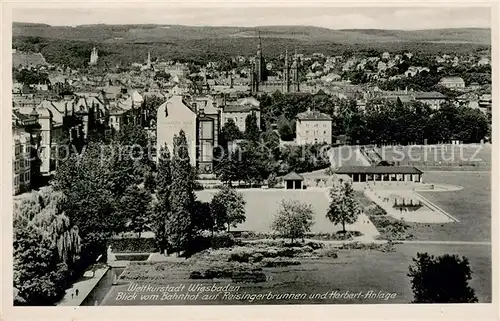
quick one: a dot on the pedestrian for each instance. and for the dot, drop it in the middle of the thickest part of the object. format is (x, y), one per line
(76, 291)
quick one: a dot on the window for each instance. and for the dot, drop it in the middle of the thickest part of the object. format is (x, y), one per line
(27, 176)
(16, 165)
(206, 152)
(324, 133)
(207, 130)
(315, 125)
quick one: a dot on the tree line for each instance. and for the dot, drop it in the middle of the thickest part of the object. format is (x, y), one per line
(380, 121)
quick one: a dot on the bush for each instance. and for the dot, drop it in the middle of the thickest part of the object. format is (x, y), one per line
(204, 242)
(374, 210)
(391, 228)
(133, 245)
(386, 247)
(222, 241)
(314, 245)
(331, 253)
(235, 272)
(278, 262)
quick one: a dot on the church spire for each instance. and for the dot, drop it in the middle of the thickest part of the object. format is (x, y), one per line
(259, 47)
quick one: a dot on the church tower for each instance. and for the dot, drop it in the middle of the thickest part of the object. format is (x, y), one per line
(294, 74)
(260, 63)
(286, 74)
(93, 56)
(148, 64)
(254, 84)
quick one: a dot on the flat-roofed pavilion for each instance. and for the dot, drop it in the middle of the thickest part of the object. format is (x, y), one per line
(381, 173)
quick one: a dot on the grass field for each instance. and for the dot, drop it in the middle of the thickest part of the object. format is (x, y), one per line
(261, 206)
(471, 206)
(444, 157)
(353, 271)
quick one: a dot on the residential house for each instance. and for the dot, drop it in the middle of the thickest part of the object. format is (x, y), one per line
(413, 70)
(484, 61)
(313, 127)
(485, 104)
(433, 99)
(173, 116)
(239, 110)
(452, 82)
(470, 100)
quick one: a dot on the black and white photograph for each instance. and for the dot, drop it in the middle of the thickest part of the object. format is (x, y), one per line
(250, 156)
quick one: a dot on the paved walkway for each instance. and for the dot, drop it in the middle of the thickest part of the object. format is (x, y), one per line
(429, 213)
(446, 242)
(84, 286)
(382, 242)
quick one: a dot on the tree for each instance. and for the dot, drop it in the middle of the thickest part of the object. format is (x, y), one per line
(38, 274)
(46, 246)
(272, 180)
(227, 208)
(202, 217)
(230, 132)
(252, 131)
(182, 198)
(293, 219)
(443, 279)
(228, 170)
(343, 206)
(161, 208)
(90, 198)
(135, 207)
(149, 109)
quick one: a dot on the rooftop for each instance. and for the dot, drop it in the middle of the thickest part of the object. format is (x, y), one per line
(27, 59)
(378, 170)
(293, 177)
(430, 95)
(313, 115)
(242, 105)
(451, 79)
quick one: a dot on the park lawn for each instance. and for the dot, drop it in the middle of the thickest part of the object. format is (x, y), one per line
(262, 205)
(354, 271)
(428, 157)
(471, 206)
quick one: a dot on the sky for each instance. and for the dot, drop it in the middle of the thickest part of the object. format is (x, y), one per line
(404, 18)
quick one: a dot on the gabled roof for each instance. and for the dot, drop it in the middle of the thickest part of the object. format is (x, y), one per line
(293, 177)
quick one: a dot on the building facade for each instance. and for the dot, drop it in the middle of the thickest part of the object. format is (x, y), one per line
(93, 57)
(239, 110)
(452, 82)
(174, 115)
(432, 99)
(208, 126)
(313, 127)
(21, 164)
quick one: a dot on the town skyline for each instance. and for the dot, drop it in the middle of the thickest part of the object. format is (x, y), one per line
(335, 18)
